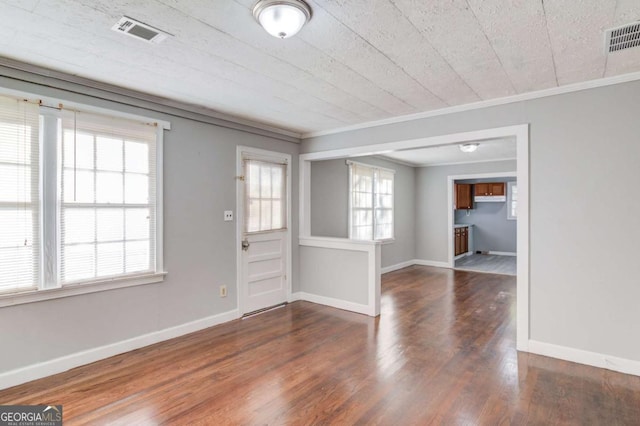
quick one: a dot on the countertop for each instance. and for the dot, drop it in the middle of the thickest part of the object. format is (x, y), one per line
(462, 225)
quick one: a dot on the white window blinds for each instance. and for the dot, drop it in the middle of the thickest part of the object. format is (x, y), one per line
(371, 202)
(19, 195)
(107, 197)
(383, 204)
(265, 196)
(361, 202)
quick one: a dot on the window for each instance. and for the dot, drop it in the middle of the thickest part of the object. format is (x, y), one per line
(266, 196)
(370, 202)
(512, 200)
(107, 205)
(19, 196)
(79, 200)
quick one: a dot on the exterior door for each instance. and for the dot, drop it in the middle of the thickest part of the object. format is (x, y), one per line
(264, 231)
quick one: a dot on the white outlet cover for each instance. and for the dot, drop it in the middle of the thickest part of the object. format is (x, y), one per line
(228, 215)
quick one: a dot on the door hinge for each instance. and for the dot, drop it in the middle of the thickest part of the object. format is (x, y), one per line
(240, 178)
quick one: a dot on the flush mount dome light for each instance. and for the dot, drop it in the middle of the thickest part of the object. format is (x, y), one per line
(282, 18)
(469, 147)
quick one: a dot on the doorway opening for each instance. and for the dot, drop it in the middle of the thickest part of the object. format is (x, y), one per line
(519, 136)
(483, 222)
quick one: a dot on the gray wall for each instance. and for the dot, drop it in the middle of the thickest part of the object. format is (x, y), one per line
(584, 157)
(432, 205)
(338, 274)
(492, 231)
(199, 249)
(330, 205)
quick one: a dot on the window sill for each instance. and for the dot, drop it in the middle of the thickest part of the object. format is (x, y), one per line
(387, 241)
(12, 299)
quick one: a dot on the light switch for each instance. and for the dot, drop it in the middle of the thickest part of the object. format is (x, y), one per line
(228, 215)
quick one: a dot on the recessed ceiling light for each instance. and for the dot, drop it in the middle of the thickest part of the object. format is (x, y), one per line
(282, 18)
(469, 147)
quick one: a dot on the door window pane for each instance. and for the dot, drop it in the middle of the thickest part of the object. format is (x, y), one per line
(265, 196)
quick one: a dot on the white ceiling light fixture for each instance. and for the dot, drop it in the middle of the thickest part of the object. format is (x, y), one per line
(469, 147)
(282, 18)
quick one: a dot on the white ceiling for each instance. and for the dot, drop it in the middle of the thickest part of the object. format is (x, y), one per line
(488, 150)
(356, 61)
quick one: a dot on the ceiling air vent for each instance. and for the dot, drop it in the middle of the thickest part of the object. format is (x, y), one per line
(622, 37)
(139, 30)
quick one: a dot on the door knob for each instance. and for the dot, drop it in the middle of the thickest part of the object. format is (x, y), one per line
(245, 245)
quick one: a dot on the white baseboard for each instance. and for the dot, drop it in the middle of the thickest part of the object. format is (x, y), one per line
(503, 253)
(435, 263)
(337, 303)
(580, 356)
(412, 262)
(295, 296)
(58, 365)
(460, 256)
(397, 266)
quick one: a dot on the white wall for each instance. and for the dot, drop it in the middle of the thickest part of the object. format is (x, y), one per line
(432, 207)
(199, 248)
(330, 205)
(584, 165)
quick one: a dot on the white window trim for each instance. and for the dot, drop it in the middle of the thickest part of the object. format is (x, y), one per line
(509, 194)
(390, 240)
(86, 287)
(43, 292)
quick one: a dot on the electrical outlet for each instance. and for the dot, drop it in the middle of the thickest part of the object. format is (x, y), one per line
(228, 215)
(223, 291)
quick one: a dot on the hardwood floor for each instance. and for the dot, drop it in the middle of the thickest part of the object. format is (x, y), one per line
(442, 352)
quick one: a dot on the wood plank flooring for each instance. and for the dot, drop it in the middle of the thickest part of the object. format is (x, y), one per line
(442, 352)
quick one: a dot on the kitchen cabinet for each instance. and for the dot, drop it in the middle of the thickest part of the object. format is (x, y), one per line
(464, 200)
(461, 240)
(489, 188)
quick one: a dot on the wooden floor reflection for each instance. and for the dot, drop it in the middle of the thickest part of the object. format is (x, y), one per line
(442, 352)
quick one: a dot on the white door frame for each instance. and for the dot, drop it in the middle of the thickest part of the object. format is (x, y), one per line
(519, 132)
(266, 155)
(450, 202)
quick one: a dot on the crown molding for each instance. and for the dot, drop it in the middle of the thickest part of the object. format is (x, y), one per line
(395, 160)
(569, 88)
(34, 74)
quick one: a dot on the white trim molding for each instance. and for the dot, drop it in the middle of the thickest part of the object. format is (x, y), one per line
(397, 266)
(503, 253)
(553, 91)
(519, 132)
(434, 263)
(594, 359)
(451, 204)
(412, 262)
(267, 155)
(14, 70)
(58, 365)
(373, 250)
(295, 297)
(335, 303)
(11, 299)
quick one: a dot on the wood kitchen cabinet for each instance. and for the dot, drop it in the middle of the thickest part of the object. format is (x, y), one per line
(489, 188)
(461, 240)
(464, 199)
